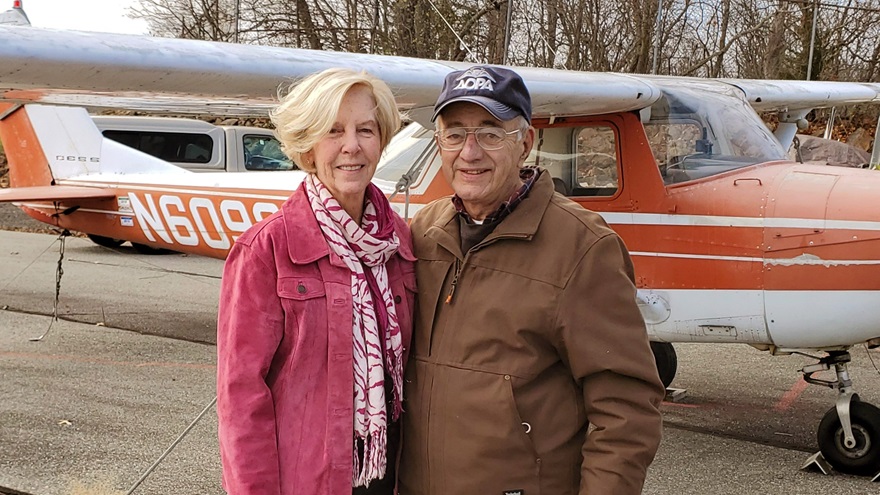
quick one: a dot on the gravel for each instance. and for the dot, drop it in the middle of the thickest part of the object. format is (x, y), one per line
(12, 218)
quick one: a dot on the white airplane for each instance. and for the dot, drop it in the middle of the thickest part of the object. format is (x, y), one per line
(731, 242)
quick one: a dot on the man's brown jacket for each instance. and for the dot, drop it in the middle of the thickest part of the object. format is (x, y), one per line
(539, 338)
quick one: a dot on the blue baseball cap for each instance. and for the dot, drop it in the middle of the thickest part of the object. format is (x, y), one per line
(502, 92)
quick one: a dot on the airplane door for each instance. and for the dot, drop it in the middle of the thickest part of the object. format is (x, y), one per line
(800, 196)
(584, 158)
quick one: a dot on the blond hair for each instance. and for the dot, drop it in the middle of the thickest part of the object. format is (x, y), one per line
(302, 118)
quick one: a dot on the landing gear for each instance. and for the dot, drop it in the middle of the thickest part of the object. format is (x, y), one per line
(667, 361)
(862, 456)
(849, 434)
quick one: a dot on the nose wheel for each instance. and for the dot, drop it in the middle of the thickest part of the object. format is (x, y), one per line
(861, 455)
(849, 434)
(666, 360)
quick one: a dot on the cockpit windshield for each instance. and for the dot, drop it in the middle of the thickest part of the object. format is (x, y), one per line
(409, 147)
(697, 132)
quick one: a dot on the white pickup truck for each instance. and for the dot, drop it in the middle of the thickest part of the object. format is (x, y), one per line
(196, 145)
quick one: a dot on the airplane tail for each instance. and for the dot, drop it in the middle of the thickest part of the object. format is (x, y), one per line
(15, 16)
(28, 165)
(45, 144)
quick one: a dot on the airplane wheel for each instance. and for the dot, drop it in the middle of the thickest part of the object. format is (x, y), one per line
(144, 249)
(107, 242)
(667, 361)
(864, 458)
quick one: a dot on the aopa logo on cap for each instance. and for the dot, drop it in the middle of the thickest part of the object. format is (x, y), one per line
(475, 79)
(500, 91)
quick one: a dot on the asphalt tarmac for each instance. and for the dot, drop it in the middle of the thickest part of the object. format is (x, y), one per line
(131, 363)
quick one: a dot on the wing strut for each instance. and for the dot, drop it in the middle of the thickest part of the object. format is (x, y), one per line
(875, 151)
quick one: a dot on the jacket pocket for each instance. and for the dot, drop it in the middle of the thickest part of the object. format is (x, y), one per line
(304, 302)
(474, 418)
(300, 288)
(524, 433)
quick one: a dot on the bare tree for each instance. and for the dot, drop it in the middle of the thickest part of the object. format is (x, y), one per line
(196, 19)
(713, 38)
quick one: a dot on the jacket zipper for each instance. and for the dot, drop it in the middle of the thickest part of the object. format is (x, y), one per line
(458, 267)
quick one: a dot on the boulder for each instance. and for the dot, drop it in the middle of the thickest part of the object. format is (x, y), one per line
(830, 152)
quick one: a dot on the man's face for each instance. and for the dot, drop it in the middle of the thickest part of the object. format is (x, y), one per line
(482, 179)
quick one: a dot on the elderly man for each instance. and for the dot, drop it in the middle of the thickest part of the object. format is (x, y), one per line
(530, 369)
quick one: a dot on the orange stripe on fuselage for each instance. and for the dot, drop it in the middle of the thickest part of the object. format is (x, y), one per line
(28, 165)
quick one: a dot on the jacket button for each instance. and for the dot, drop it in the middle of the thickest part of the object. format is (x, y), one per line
(301, 288)
(507, 377)
(397, 299)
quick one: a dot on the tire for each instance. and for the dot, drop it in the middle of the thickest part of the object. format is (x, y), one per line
(667, 361)
(107, 242)
(864, 458)
(144, 249)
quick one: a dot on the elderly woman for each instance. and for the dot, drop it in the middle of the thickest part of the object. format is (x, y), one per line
(315, 308)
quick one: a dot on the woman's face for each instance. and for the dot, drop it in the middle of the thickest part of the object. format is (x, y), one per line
(346, 157)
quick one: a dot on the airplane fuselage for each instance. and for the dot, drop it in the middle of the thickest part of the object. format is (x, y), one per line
(768, 255)
(731, 242)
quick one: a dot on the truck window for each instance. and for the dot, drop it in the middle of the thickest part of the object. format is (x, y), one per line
(176, 147)
(264, 153)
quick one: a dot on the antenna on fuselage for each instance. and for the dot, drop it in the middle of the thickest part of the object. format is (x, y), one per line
(15, 16)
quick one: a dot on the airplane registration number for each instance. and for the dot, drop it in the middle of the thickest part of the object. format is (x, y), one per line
(199, 219)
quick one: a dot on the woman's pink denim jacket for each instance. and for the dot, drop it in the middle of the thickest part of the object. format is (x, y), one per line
(284, 356)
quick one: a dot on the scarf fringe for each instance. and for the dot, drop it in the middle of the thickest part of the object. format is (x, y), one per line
(375, 459)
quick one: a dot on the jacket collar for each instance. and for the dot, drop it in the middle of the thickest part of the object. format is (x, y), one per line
(305, 241)
(522, 223)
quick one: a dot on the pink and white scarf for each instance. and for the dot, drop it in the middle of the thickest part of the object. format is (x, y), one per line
(370, 245)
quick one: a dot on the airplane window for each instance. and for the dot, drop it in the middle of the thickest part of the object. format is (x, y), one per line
(552, 151)
(672, 139)
(264, 153)
(582, 162)
(699, 132)
(595, 162)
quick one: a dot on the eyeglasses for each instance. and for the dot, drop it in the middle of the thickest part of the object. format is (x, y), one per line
(489, 138)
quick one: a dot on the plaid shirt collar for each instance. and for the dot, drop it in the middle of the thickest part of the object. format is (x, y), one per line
(527, 174)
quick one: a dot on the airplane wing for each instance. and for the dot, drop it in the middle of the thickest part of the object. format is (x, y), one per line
(775, 95)
(200, 77)
(53, 193)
